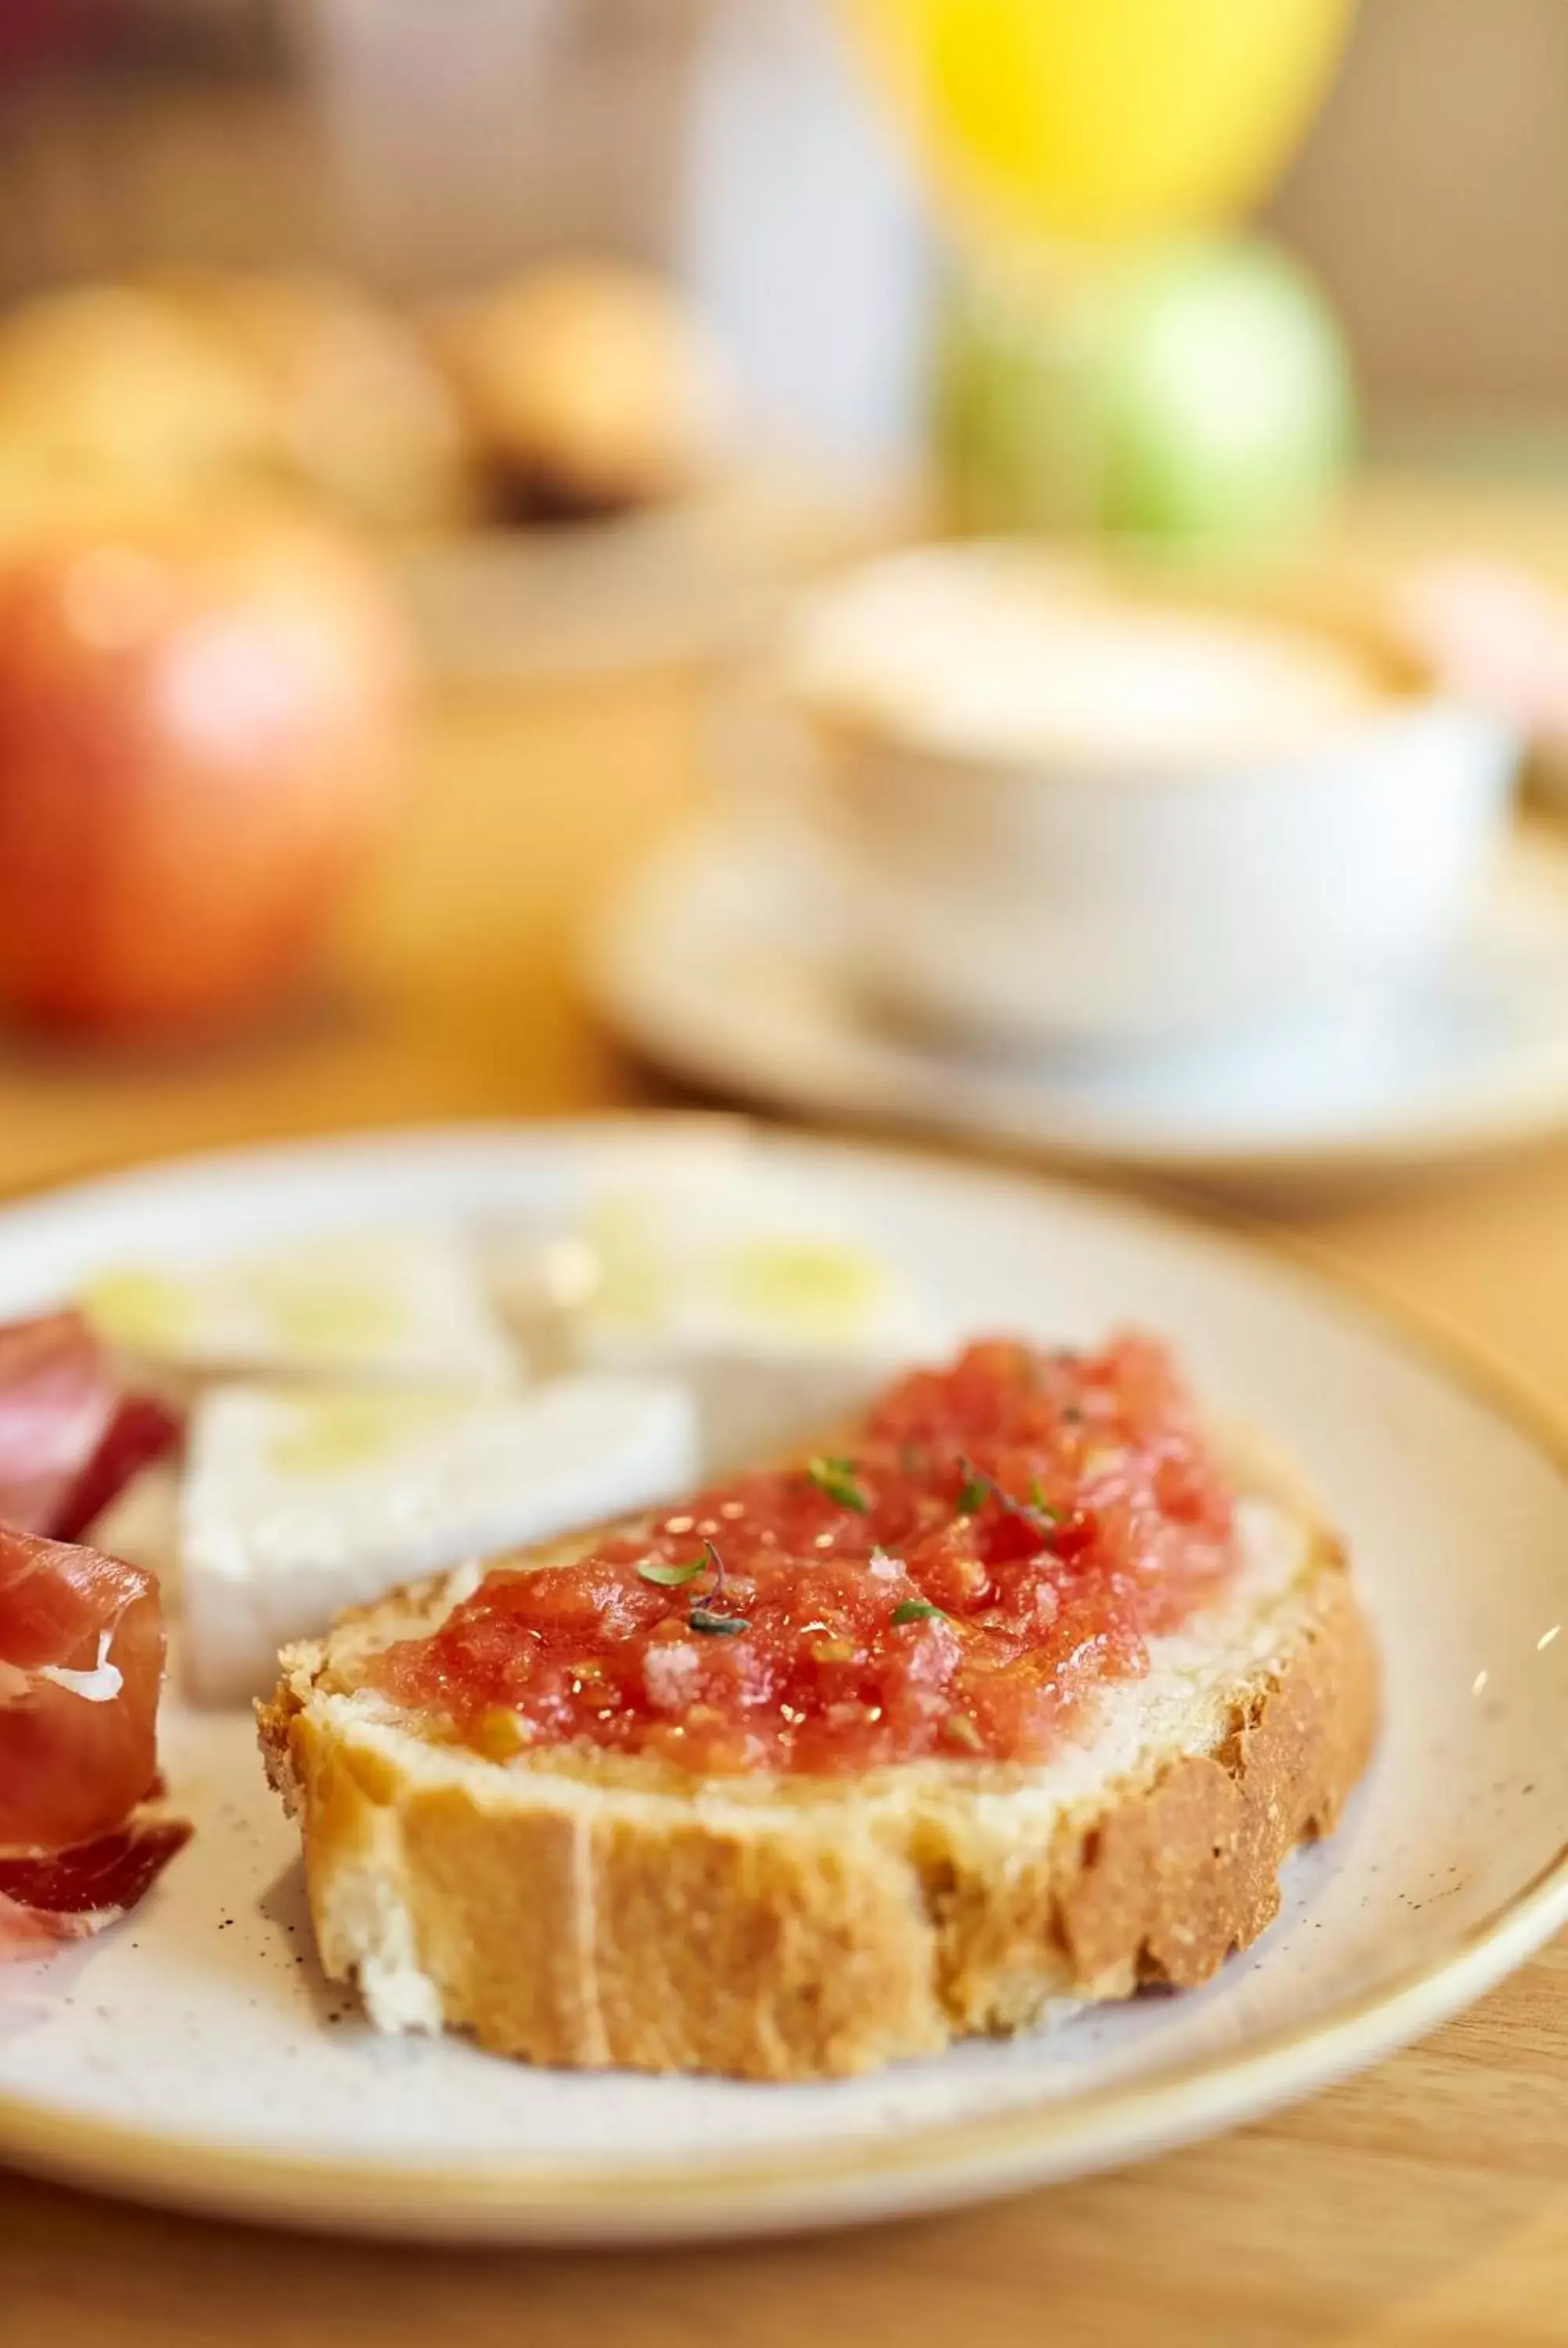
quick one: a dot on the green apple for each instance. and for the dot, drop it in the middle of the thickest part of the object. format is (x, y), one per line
(1199, 394)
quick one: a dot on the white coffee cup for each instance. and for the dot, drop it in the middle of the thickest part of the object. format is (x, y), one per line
(1328, 838)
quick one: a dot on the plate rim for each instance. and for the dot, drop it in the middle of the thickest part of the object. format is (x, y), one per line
(501, 2198)
(1533, 1112)
(940, 2165)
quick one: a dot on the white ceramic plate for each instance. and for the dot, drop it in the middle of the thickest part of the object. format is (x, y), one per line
(197, 2055)
(718, 960)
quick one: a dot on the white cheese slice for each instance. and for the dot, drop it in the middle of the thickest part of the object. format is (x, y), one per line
(298, 1503)
(398, 1305)
(780, 1310)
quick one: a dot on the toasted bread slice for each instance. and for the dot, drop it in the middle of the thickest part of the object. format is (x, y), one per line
(602, 1911)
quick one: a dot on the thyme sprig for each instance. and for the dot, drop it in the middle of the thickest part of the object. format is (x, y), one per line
(1035, 1512)
(673, 1577)
(918, 1610)
(710, 1613)
(836, 1479)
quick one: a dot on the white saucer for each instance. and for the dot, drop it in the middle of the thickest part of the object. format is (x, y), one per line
(719, 960)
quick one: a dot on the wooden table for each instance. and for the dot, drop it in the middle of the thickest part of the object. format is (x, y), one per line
(1426, 2203)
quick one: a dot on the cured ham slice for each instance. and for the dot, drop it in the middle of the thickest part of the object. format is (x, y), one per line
(81, 1643)
(141, 1431)
(71, 1895)
(56, 1400)
(69, 1443)
(81, 1660)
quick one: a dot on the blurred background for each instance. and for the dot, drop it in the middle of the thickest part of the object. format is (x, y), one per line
(1430, 194)
(358, 359)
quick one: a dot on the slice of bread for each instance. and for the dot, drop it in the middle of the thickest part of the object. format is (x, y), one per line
(584, 1908)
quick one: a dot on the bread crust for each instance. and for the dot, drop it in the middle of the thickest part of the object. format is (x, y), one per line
(570, 1918)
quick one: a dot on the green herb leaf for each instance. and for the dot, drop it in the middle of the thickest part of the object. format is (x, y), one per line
(722, 1626)
(1038, 1503)
(973, 1497)
(836, 1479)
(917, 1609)
(673, 1577)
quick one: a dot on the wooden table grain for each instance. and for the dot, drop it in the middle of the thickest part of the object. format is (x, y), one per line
(1425, 2202)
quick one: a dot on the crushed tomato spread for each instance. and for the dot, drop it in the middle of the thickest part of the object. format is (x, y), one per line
(1007, 1535)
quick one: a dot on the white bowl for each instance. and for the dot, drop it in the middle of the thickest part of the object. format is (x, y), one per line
(1056, 895)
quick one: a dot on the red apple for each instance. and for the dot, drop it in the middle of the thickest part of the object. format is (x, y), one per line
(199, 728)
